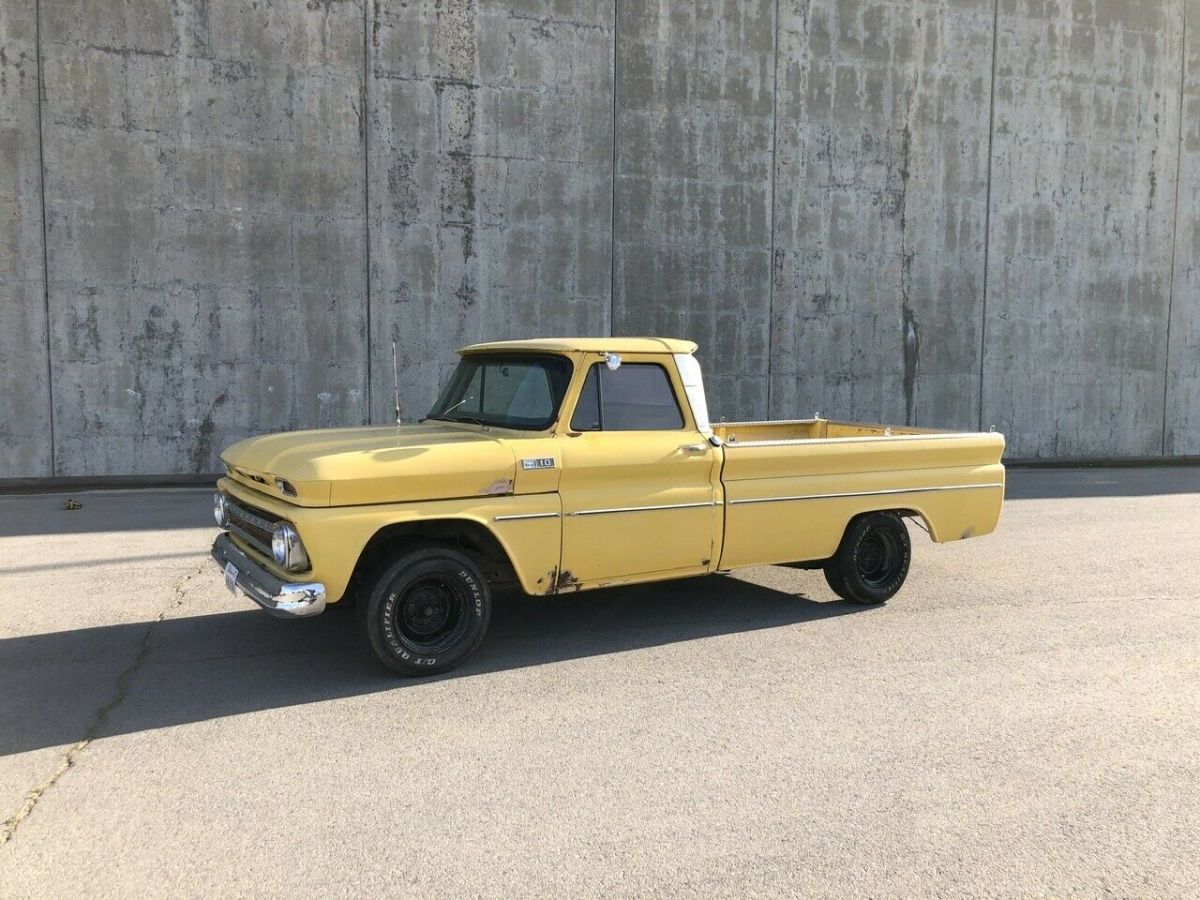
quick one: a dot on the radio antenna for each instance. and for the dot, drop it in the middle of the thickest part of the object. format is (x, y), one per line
(396, 382)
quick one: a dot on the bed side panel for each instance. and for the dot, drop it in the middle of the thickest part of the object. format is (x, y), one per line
(791, 502)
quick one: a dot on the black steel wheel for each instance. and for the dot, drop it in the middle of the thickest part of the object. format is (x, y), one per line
(871, 563)
(428, 611)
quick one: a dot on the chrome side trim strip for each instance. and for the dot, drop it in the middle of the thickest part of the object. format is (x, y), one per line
(549, 515)
(920, 490)
(622, 509)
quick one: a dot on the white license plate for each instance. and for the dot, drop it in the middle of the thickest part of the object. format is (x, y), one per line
(231, 574)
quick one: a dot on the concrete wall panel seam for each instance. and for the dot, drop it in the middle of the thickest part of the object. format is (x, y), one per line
(1175, 220)
(41, 89)
(774, 173)
(612, 219)
(365, 118)
(1181, 420)
(987, 209)
(25, 424)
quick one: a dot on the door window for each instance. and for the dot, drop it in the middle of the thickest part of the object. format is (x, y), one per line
(634, 397)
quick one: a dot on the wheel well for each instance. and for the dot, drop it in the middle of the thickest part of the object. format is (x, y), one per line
(470, 538)
(921, 521)
(914, 514)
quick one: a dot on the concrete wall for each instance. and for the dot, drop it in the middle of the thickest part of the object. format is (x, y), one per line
(489, 139)
(204, 226)
(694, 111)
(880, 210)
(217, 217)
(26, 437)
(1181, 434)
(1084, 165)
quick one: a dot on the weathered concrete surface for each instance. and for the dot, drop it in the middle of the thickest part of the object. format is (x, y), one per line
(204, 202)
(1017, 721)
(1181, 434)
(24, 377)
(694, 113)
(490, 159)
(1083, 211)
(247, 204)
(881, 181)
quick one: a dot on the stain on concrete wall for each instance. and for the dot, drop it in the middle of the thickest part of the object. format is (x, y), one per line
(1083, 211)
(881, 183)
(204, 208)
(490, 143)
(24, 381)
(1181, 434)
(694, 102)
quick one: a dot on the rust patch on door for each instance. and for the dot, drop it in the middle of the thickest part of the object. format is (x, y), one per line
(566, 582)
(559, 582)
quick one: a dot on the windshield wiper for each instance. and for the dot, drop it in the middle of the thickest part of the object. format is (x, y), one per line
(446, 418)
(477, 421)
(472, 419)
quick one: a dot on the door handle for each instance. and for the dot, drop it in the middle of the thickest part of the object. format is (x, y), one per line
(694, 448)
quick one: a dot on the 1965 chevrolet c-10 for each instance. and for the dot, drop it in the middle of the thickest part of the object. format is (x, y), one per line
(569, 464)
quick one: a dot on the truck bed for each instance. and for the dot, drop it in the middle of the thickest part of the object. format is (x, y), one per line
(809, 429)
(790, 487)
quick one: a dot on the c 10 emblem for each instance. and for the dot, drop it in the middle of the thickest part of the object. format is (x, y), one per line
(543, 462)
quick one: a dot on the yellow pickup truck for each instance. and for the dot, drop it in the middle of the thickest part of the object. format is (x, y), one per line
(570, 464)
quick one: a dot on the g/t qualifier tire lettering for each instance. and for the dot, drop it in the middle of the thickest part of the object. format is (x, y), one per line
(428, 611)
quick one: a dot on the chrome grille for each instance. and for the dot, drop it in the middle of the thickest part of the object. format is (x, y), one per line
(254, 526)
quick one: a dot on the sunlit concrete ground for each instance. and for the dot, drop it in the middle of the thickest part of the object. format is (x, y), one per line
(1023, 718)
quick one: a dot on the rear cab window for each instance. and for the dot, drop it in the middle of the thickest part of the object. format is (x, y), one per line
(633, 397)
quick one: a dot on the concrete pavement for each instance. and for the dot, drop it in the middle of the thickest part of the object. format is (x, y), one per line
(1022, 719)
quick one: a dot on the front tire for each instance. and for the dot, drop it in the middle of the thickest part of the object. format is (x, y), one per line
(428, 611)
(872, 561)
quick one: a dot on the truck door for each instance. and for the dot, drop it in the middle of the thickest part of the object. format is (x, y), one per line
(637, 480)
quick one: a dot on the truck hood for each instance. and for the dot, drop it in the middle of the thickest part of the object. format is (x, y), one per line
(346, 466)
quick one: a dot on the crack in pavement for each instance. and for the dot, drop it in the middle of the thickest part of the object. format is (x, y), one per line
(67, 760)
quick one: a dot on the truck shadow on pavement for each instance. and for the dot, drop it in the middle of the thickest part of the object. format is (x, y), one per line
(62, 687)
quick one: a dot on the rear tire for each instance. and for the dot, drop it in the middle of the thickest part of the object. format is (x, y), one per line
(871, 563)
(428, 611)
(833, 578)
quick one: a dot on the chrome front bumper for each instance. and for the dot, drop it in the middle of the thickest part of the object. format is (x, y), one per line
(280, 598)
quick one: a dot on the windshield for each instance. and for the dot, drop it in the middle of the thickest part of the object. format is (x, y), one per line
(505, 391)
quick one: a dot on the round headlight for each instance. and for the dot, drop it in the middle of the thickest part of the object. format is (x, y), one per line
(286, 548)
(220, 513)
